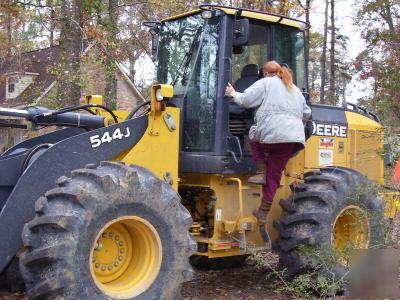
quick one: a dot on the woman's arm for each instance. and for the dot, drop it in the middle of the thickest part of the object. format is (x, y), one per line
(252, 96)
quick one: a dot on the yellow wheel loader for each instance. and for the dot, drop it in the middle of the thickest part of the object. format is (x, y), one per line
(114, 205)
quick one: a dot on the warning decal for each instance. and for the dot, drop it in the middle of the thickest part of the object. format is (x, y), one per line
(325, 157)
(326, 143)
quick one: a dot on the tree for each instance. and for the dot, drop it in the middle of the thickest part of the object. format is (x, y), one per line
(323, 57)
(71, 40)
(332, 76)
(52, 21)
(315, 51)
(9, 12)
(307, 8)
(111, 81)
(379, 23)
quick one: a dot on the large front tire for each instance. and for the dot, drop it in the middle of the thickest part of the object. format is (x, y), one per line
(336, 208)
(110, 231)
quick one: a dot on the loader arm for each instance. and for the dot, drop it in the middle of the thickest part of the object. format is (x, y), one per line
(49, 138)
(59, 160)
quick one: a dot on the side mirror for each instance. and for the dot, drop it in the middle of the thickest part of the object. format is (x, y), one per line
(241, 32)
(154, 31)
(154, 46)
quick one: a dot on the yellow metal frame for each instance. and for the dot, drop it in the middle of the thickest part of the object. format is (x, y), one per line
(366, 138)
(94, 99)
(158, 149)
(98, 100)
(236, 230)
(257, 15)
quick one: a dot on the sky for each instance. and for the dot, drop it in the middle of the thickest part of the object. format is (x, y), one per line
(344, 20)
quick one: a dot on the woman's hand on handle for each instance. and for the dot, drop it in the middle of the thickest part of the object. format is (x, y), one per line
(229, 90)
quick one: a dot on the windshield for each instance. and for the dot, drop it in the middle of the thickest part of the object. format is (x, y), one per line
(289, 49)
(187, 58)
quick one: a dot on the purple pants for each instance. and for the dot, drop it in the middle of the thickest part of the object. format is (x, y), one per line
(276, 157)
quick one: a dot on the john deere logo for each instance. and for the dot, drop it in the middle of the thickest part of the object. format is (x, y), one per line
(329, 130)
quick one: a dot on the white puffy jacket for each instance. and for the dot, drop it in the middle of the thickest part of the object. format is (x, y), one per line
(280, 113)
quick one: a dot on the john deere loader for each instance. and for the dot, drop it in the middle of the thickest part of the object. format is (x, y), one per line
(113, 205)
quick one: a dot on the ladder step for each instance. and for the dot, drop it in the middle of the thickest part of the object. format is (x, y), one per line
(246, 187)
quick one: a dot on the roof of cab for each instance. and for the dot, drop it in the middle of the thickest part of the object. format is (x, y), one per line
(248, 13)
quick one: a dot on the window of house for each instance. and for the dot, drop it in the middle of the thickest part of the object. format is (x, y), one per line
(11, 87)
(12, 82)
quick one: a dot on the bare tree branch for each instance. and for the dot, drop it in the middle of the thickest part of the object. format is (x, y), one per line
(30, 3)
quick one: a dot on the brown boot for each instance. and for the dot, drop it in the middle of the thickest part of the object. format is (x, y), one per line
(259, 178)
(262, 212)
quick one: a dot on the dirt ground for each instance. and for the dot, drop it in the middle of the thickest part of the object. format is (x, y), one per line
(244, 283)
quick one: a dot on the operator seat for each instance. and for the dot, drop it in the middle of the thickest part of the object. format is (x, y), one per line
(248, 76)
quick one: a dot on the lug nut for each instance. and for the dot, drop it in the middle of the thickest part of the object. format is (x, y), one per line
(122, 250)
(104, 235)
(117, 237)
(121, 243)
(97, 265)
(116, 264)
(120, 258)
(103, 268)
(111, 234)
(98, 246)
(110, 267)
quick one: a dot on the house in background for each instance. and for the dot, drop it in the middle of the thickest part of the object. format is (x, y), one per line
(29, 80)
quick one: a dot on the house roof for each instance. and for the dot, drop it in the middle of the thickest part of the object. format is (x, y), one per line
(37, 63)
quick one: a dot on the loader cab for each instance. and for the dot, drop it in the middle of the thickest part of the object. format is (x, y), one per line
(199, 54)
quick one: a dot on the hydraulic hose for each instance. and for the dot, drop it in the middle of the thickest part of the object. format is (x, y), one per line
(136, 109)
(46, 117)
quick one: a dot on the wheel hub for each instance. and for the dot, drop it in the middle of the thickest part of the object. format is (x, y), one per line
(113, 253)
(350, 231)
(126, 257)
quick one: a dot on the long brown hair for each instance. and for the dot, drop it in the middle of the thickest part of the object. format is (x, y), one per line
(282, 70)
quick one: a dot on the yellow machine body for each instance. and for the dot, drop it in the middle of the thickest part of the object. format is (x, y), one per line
(235, 229)
(228, 200)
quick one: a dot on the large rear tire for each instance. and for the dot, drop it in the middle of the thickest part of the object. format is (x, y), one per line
(111, 231)
(334, 207)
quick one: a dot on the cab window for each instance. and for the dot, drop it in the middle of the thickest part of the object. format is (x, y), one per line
(289, 48)
(254, 53)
